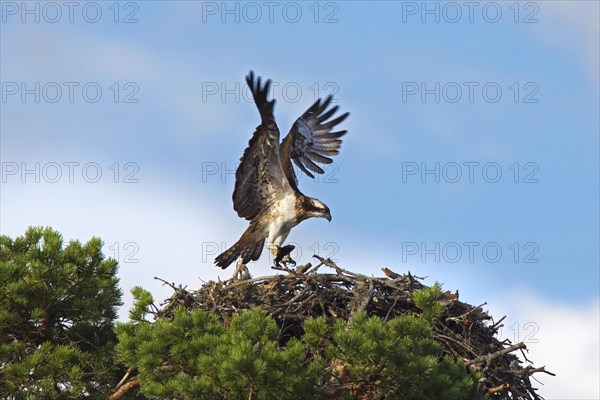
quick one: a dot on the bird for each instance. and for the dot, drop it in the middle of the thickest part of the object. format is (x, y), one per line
(266, 186)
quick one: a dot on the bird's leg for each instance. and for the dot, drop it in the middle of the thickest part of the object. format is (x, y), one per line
(273, 248)
(241, 271)
(282, 255)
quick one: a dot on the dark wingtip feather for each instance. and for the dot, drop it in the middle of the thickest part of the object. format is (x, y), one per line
(313, 155)
(311, 165)
(315, 106)
(327, 101)
(326, 115)
(331, 135)
(303, 168)
(336, 121)
(260, 93)
(344, 116)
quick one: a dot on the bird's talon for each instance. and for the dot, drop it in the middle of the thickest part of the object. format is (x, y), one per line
(283, 255)
(241, 271)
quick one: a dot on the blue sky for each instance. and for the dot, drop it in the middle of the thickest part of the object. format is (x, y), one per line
(503, 87)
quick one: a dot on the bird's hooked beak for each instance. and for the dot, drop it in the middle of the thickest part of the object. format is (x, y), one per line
(317, 209)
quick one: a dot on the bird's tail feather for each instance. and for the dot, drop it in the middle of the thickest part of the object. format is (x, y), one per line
(247, 251)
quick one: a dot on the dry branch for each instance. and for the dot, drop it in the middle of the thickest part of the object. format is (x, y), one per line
(124, 389)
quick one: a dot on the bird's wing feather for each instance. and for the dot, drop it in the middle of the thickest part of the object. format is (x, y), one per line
(259, 179)
(311, 140)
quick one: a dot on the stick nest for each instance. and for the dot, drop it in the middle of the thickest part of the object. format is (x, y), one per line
(465, 332)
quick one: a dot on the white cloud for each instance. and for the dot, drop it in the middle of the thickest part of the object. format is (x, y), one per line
(562, 337)
(167, 225)
(572, 26)
(172, 84)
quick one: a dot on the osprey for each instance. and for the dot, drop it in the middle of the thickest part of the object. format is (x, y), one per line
(266, 188)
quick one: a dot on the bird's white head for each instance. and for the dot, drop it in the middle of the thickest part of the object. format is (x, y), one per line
(316, 208)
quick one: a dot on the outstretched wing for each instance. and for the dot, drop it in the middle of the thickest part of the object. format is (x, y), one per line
(311, 140)
(259, 179)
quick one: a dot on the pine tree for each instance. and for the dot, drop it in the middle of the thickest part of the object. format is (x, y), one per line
(57, 310)
(195, 355)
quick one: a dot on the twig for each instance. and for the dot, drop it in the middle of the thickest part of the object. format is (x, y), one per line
(498, 388)
(362, 305)
(303, 268)
(290, 302)
(528, 371)
(327, 261)
(247, 282)
(525, 357)
(489, 357)
(387, 315)
(124, 389)
(125, 377)
(462, 316)
(497, 324)
(390, 274)
(172, 285)
(284, 268)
